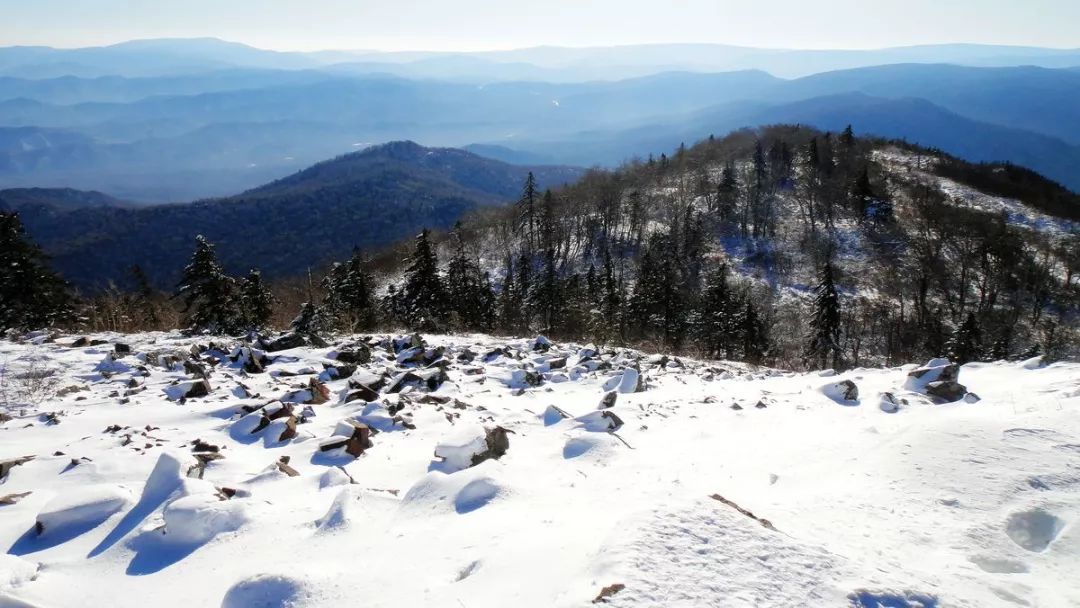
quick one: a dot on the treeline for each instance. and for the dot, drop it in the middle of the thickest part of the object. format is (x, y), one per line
(783, 246)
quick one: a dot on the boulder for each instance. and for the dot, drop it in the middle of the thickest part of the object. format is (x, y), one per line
(844, 392)
(7, 465)
(469, 451)
(360, 392)
(935, 370)
(608, 401)
(350, 434)
(286, 342)
(889, 403)
(319, 393)
(946, 391)
(358, 355)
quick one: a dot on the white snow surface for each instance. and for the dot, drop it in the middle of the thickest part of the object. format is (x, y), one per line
(964, 504)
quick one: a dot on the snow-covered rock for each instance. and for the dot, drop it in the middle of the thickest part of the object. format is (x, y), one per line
(81, 508)
(198, 518)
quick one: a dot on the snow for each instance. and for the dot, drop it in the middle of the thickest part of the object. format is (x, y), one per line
(962, 504)
(80, 507)
(200, 517)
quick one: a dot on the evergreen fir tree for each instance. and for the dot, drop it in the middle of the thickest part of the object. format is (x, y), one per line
(256, 303)
(657, 304)
(965, 344)
(716, 319)
(31, 294)
(755, 338)
(522, 285)
(423, 293)
(209, 294)
(350, 298)
(146, 300)
(823, 349)
(526, 212)
(509, 307)
(471, 298)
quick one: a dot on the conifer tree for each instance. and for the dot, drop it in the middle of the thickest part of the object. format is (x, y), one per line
(31, 294)
(423, 293)
(526, 212)
(146, 299)
(658, 305)
(256, 304)
(350, 298)
(754, 334)
(209, 294)
(509, 307)
(823, 349)
(965, 344)
(522, 285)
(716, 318)
(469, 288)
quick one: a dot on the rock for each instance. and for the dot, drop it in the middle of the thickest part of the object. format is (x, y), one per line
(764, 522)
(947, 391)
(632, 381)
(80, 342)
(935, 370)
(350, 434)
(253, 362)
(7, 465)
(401, 380)
(557, 363)
(85, 506)
(472, 445)
(319, 393)
(888, 403)
(283, 465)
(971, 398)
(199, 388)
(552, 415)
(196, 369)
(844, 392)
(5, 418)
(850, 391)
(285, 342)
(541, 344)
(498, 442)
(11, 499)
(606, 592)
(361, 393)
(604, 421)
(340, 370)
(608, 401)
(121, 349)
(408, 342)
(201, 446)
(355, 356)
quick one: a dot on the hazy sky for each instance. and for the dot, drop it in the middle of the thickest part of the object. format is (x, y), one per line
(499, 24)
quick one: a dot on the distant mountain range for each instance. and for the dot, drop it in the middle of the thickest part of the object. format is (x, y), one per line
(548, 64)
(173, 120)
(368, 198)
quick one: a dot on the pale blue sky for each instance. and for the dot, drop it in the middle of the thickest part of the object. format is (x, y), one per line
(500, 24)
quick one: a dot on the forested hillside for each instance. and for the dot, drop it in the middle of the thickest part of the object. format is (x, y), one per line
(783, 245)
(367, 199)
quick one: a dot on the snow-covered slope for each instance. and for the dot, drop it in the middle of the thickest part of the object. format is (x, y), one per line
(705, 484)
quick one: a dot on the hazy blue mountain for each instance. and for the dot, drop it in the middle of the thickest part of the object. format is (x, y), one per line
(552, 64)
(224, 130)
(62, 199)
(913, 119)
(68, 90)
(368, 199)
(1031, 98)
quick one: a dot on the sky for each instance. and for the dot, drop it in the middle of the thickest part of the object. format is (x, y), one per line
(469, 25)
